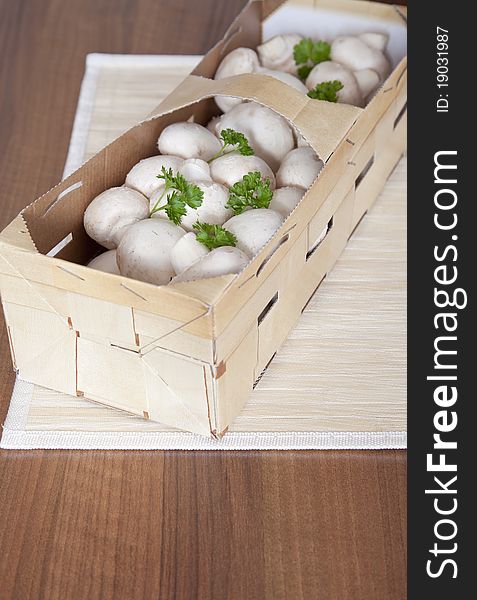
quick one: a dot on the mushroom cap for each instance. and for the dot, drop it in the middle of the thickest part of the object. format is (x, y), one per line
(212, 210)
(287, 78)
(253, 228)
(299, 168)
(106, 261)
(195, 169)
(109, 214)
(329, 71)
(277, 52)
(143, 176)
(230, 168)
(375, 40)
(212, 124)
(285, 199)
(268, 133)
(226, 103)
(188, 140)
(220, 261)
(145, 251)
(354, 53)
(368, 81)
(237, 62)
(186, 251)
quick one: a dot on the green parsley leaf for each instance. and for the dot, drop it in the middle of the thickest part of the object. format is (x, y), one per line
(233, 141)
(304, 71)
(167, 175)
(327, 90)
(183, 194)
(302, 51)
(214, 236)
(308, 53)
(189, 193)
(251, 191)
(235, 138)
(175, 208)
(320, 52)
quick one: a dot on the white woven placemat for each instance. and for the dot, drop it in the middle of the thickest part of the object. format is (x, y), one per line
(338, 382)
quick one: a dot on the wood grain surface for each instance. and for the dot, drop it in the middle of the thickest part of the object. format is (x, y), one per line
(166, 525)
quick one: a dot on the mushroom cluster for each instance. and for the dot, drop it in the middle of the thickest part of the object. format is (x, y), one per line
(216, 194)
(349, 69)
(208, 203)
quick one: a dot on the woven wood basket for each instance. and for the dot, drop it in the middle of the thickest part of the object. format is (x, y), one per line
(189, 354)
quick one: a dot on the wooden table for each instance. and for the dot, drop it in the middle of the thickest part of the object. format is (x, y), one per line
(149, 525)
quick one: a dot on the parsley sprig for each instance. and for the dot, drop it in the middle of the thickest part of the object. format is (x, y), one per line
(308, 53)
(251, 191)
(327, 90)
(179, 195)
(233, 140)
(214, 236)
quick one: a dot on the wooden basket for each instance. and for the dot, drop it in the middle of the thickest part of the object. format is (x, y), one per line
(188, 354)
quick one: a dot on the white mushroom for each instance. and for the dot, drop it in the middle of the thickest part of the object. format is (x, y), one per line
(213, 209)
(220, 261)
(268, 133)
(299, 168)
(375, 40)
(213, 123)
(330, 71)
(143, 176)
(105, 262)
(253, 228)
(145, 251)
(356, 54)
(231, 168)
(226, 103)
(112, 212)
(237, 62)
(287, 78)
(186, 251)
(188, 140)
(195, 169)
(368, 81)
(285, 199)
(277, 52)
